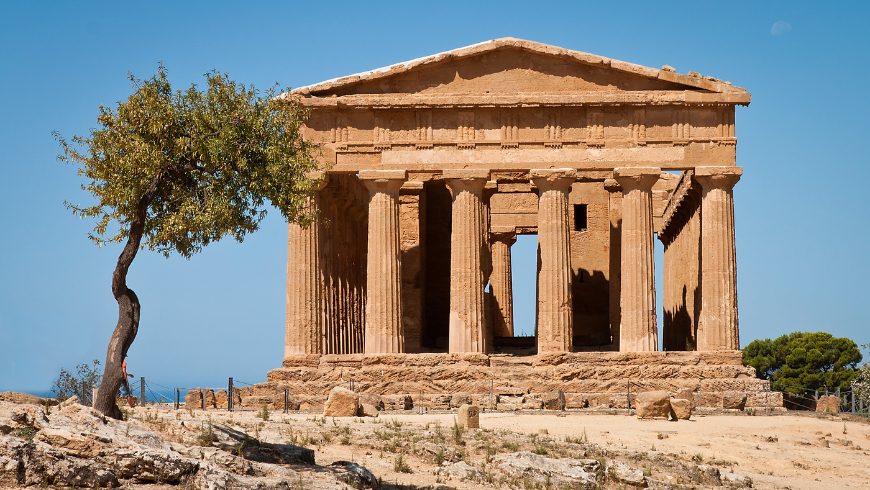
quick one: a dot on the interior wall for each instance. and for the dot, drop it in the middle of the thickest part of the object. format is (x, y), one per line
(436, 264)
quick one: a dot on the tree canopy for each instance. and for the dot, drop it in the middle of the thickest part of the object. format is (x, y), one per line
(803, 361)
(177, 170)
(207, 161)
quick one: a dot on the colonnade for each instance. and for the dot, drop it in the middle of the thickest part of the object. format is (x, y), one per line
(329, 297)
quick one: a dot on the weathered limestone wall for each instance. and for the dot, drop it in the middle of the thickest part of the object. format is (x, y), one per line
(599, 377)
(412, 219)
(682, 274)
(590, 264)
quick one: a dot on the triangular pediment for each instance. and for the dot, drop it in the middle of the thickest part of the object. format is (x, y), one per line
(510, 66)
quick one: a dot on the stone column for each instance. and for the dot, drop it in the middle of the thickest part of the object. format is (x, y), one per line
(500, 281)
(304, 324)
(467, 278)
(383, 324)
(555, 306)
(638, 331)
(614, 265)
(717, 326)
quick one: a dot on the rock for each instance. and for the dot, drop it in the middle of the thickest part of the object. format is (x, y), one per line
(686, 394)
(469, 416)
(447, 452)
(367, 410)
(460, 470)
(734, 400)
(625, 474)
(653, 405)
(26, 398)
(668, 68)
(580, 473)
(681, 409)
(543, 432)
(710, 474)
(398, 402)
(532, 404)
(341, 403)
(357, 476)
(73, 400)
(460, 399)
(83, 446)
(552, 401)
(373, 399)
(28, 416)
(510, 400)
(828, 403)
(736, 479)
(221, 397)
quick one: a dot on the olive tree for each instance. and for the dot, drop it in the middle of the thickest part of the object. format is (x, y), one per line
(173, 171)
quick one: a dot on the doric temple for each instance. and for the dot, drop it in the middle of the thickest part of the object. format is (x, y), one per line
(434, 166)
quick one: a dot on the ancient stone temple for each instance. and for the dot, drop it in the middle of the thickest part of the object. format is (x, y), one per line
(434, 166)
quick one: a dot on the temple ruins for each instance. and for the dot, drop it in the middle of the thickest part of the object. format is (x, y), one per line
(434, 166)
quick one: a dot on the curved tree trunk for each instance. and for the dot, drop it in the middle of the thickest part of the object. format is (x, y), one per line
(128, 310)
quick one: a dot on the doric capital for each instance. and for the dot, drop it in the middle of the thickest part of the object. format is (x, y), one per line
(611, 185)
(553, 178)
(637, 177)
(718, 177)
(472, 180)
(383, 180)
(506, 234)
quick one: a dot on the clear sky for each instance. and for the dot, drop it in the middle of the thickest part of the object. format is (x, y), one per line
(801, 209)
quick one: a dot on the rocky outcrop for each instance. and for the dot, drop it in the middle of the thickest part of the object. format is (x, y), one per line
(579, 473)
(77, 446)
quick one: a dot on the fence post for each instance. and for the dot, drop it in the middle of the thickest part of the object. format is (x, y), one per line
(176, 398)
(142, 391)
(93, 394)
(629, 395)
(286, 399)
(230, 396)
(853, 400)
(203, 392)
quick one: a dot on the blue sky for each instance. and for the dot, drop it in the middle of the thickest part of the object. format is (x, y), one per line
(801, 208)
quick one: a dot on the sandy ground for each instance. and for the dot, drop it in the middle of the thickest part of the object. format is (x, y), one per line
(805, 451)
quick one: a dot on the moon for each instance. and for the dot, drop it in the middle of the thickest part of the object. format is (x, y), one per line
(780, 28)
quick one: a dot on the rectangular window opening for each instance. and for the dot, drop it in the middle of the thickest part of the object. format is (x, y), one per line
(580, 217)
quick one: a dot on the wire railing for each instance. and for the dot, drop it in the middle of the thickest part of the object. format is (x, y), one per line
(416, 395)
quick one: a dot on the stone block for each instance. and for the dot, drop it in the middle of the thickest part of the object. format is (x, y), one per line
(398, 402)
(533, 404)
(734, 400)
(510, 390)
(552, 400)
(505, 399)
(367, 410)
(341, 403)
(372, 399)
(576, 400)
(828, 403)
(469, 416)
(681, 409)
(440, 402)
(653, 405)
(508, 407)
(460, 399)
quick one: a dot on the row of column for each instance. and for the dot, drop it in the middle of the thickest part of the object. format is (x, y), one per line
(325, 281)
(470, 245)
(718, 325)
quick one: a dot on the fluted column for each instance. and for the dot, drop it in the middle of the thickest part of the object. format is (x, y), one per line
(718, 326)
(555, 307)
(638, 331)
(383, 324)
(467, 279)
(304, 324)
(501, 283)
